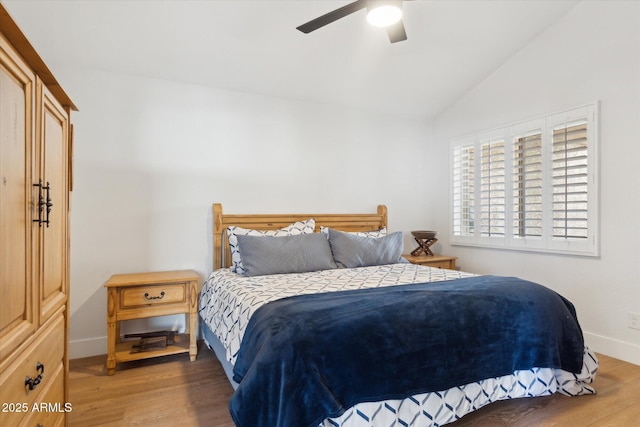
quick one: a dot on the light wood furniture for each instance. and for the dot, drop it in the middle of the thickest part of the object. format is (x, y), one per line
(343, 222)
(143, 295)
(437, 261)
(35, 153)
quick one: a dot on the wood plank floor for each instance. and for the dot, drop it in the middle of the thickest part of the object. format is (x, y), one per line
(171, 391)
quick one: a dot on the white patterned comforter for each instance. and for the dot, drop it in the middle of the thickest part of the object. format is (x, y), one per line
(228, 300)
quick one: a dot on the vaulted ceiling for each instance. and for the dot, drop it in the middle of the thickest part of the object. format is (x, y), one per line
(254, 46)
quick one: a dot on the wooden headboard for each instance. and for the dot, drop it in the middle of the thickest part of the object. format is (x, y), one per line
(344, 222)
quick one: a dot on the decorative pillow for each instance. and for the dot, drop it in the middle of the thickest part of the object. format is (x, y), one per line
(300, 227)
(286, 254)
(351, 251)
(375, 233)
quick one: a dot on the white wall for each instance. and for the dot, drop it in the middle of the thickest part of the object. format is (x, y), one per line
(152, 156)
(592, 53)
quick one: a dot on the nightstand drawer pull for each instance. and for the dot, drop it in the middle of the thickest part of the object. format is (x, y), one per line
(33, 382)
(146, 296)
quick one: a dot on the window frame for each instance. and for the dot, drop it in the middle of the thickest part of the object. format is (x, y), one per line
(545, 125)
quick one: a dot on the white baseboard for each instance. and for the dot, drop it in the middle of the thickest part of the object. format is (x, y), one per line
(87, 347)
(614, 348)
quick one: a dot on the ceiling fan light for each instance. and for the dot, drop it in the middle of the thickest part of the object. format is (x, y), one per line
(384, 15)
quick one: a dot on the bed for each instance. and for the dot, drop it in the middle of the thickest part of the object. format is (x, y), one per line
(352, 339)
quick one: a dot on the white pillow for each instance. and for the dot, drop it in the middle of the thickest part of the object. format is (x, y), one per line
(300, 227)
(375, 233)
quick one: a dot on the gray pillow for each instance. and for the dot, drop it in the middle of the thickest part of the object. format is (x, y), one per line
(285, 254)
(350, 251)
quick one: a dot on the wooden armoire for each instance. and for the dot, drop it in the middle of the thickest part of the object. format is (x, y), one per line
(35, 180)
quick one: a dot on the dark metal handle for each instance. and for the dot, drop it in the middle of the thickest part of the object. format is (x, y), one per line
(40, 203)
(33, 382)
(146, 296)
(49, 205)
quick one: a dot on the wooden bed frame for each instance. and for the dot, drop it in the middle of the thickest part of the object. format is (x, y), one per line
(344, 222)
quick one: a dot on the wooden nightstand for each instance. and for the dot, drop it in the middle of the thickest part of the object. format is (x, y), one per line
(437, 261)
(142, 295)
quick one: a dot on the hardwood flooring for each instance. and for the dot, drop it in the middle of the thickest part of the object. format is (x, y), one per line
(165, 391)
(172, 391)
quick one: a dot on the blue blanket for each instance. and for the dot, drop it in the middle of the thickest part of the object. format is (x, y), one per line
(310, 357)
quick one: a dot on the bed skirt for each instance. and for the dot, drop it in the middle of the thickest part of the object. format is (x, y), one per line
(218, 349)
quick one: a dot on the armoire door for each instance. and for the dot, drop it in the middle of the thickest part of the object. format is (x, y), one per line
(17, 317)
(53, 144)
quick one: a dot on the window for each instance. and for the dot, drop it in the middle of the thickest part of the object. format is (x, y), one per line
(532, 185)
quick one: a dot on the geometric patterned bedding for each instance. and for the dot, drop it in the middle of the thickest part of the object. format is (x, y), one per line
(228, 300)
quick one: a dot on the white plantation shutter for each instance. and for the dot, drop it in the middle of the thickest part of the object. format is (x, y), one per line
(529, 186)
(570, 181)
(463, 188)
(492, 188)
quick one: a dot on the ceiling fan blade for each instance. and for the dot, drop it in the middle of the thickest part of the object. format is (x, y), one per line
(396, 32)
(332, 16)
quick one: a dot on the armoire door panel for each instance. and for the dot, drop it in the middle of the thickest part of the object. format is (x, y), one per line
(53, 146)
(34, 255)
(16, 139)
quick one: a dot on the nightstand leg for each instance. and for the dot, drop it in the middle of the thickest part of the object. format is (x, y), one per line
(112, 332)
(193, 321)
(193, 346)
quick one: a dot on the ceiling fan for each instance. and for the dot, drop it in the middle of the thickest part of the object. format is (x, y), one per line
(387, 14)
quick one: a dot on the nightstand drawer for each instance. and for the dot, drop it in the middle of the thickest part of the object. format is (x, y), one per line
(154, 295)
(435, 261)
(439, 264)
